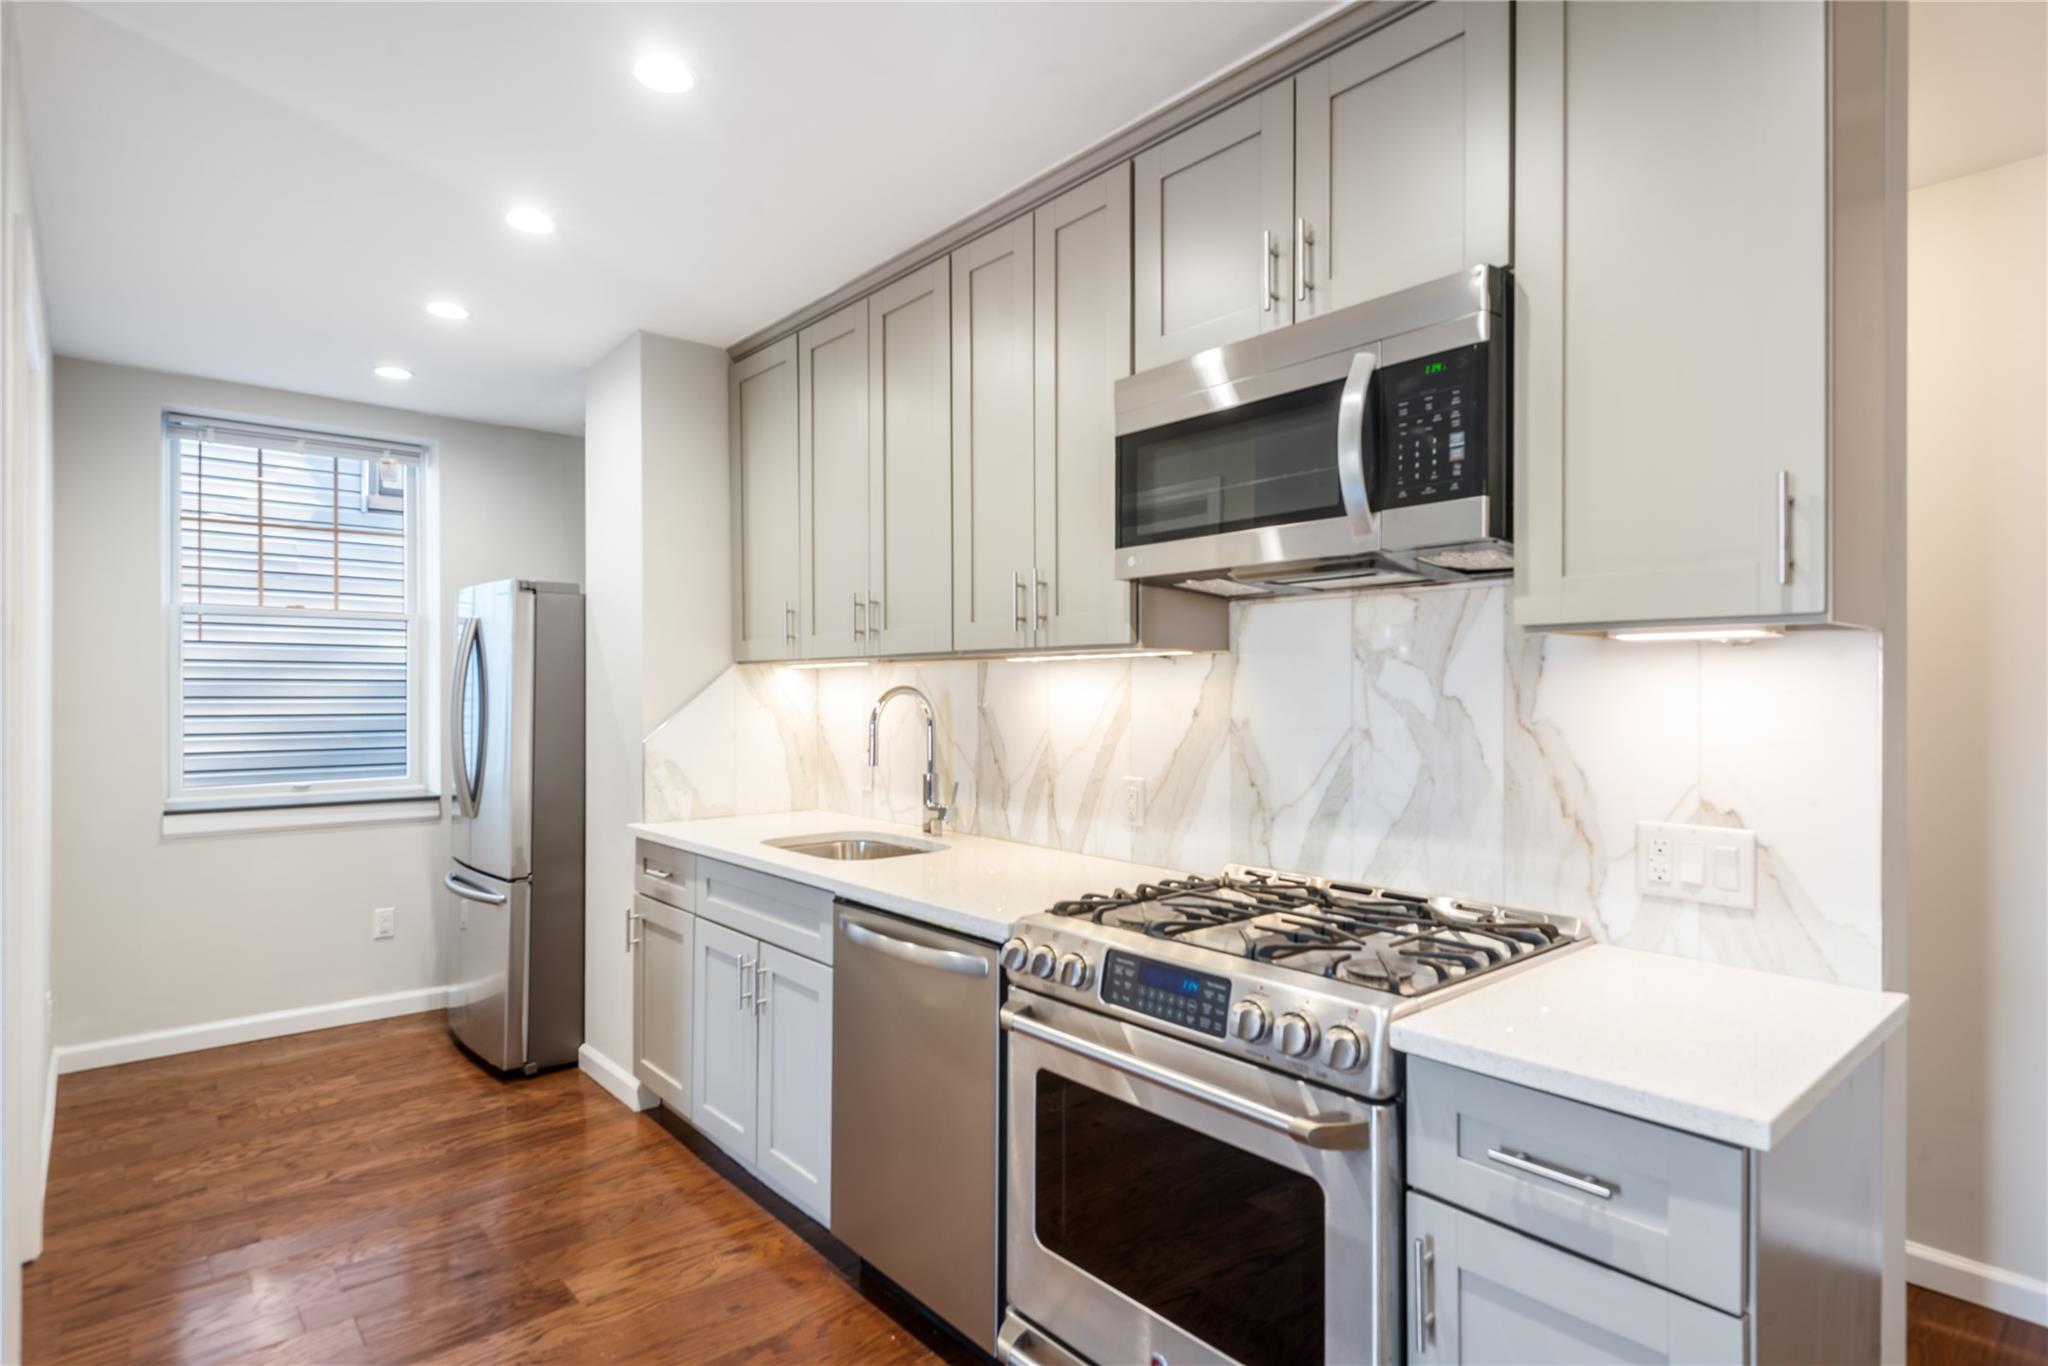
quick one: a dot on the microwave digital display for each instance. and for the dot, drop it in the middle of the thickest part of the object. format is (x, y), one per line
(1432, 428)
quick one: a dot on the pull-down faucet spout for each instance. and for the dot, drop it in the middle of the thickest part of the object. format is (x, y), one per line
(934, 814)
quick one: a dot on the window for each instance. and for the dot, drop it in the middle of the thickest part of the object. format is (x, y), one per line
(296, 625)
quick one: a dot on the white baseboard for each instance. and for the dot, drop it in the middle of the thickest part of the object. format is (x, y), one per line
(624, 1086)
(162, 1043)
(1991, 1286)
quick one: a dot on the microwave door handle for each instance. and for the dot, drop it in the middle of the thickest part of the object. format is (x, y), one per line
(1354, 415)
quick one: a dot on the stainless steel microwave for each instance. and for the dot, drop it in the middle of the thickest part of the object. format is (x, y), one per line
(1367, 447)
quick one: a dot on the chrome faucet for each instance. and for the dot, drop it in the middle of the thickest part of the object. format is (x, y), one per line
(934, 814)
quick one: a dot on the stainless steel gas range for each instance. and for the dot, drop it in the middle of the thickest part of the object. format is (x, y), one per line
(1203, 1134)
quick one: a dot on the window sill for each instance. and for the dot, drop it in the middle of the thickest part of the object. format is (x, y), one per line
(254, 820)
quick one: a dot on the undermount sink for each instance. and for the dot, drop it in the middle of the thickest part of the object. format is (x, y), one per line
(852, 844)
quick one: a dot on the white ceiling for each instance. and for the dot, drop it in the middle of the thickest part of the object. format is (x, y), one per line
(1977, 88)
(270, 192)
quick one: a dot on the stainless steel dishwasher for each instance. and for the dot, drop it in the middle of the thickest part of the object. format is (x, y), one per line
(916, 1155)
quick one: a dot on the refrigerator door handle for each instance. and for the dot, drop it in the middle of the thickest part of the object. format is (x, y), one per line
(469, 891)
(458, 685)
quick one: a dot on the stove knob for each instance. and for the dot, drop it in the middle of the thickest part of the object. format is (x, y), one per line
(1249, 1021)
(1296, 1036)
(1042, 961)
(1014, 954)
(1343, 1049)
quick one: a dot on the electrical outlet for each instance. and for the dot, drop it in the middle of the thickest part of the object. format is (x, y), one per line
(1713, 864)
(1134, 802)
(384, 923)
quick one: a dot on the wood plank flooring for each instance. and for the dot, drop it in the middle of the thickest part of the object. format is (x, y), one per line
(366, 1194)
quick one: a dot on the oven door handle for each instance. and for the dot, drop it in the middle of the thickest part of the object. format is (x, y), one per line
(1313, 1131)
(1354, 412)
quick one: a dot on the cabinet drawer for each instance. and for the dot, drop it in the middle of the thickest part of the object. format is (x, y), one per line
(772, 909)
(1653, 1202)
(665, 874)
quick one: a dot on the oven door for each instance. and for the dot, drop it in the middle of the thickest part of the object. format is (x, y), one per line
(1168, 1203)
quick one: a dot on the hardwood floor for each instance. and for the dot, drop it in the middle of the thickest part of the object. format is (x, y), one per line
(366, 1194)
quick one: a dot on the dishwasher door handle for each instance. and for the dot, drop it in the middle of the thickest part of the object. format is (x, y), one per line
(1313, 1131)
(945, 960)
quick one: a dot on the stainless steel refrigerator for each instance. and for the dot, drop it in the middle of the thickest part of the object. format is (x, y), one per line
(515, 880)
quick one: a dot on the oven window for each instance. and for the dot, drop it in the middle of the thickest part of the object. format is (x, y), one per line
(1265, 464)
(1225, 1245)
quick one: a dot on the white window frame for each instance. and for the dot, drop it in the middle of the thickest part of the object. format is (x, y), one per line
(340, 801)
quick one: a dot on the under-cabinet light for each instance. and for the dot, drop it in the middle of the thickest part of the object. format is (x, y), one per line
(830, 664)
(1734, 635)
(1106, 654)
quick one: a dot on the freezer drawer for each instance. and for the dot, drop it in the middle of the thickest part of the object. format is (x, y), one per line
(488, 998)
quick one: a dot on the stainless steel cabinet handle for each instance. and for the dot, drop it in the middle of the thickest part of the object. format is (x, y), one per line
(1313, 1131)
(1784, 527)
(874, 621)
(632, 939)
(1422, 1279)
(789, 624)
(1267, 294)
(762, 977)
(469, 891)
(746, 981)
(860, 616)
(945, 960)
(1039, 586)
(1522, 1162)
(1304, 238)
(1351, 428)
(658, 874)
(1017, 595)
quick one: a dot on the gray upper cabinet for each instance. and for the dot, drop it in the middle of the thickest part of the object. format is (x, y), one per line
(993, 480)
(1697, 186)
(763, 415)
(833, 507)
(1402, 157)
(1083, 327)
(1212, 222)
(910, 468)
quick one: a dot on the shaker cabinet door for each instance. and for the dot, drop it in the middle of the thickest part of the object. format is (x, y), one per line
(992, 455)
(1482, 1295)
(1671, 248)
(910, 467)
(1084, 347)
(723, 1038)
(832, 409)
(794, 1080)
(662, 973)
(1212, 218)
(763, 416)
(1402, 157)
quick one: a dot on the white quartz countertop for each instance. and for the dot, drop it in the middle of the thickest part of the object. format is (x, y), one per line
(974, 885)
(1727, 1053)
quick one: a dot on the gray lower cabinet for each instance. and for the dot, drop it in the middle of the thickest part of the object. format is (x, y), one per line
(793, 1080)
(1484, 1295)
(832, 505)
(762, 411)
(663, 956)
(724, 1080)
(909, 577)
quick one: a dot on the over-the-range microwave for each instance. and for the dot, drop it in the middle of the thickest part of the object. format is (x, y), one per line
(1366, 447)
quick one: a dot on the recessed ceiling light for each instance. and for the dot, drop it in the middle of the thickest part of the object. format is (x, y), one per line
(392, 372)
(449, 309)
(527, 218)
(659, 71)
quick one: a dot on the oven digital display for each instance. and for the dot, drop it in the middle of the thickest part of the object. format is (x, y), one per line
(1193, 1000)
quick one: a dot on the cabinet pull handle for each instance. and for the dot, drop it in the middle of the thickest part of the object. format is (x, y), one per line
(1304, 238)
(762, 977)
(874, 622)
(1038, 586)
(1423, 1278)
(1267, 294)
(1522, 1162)
(1017, 595)
(746, 980)
(789, 624)
(658, 874)
(1784, 527)
(860, 616)
(632, 919)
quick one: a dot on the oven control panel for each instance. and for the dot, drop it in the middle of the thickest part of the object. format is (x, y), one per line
(1193, 1000)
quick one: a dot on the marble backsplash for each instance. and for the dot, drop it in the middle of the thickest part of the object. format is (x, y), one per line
(1413, 738)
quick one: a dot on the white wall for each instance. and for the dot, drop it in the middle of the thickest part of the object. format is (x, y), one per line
(659, 620)
(155, 933)
(25, 372)
(1977, 728)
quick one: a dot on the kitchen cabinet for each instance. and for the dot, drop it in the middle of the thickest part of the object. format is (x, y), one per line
(1212, 218)
(762, 400)
(1703, 371)
(833, 475)
(1481, 1293)
(994, 485)
(909, 576)
(663, 973)
(724, 1080)
(793, 1079)
(1403, 146)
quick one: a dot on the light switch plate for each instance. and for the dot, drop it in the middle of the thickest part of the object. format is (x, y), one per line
(1712, 864)
(384, 922)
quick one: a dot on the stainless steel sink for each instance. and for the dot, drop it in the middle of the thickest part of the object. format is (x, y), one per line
(852, 844)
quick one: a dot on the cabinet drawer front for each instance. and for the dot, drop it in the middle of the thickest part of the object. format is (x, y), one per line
(665, 874)
(1644, 1199)
(771, 909)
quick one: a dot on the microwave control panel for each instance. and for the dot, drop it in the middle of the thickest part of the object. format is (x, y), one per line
(1432, 420)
